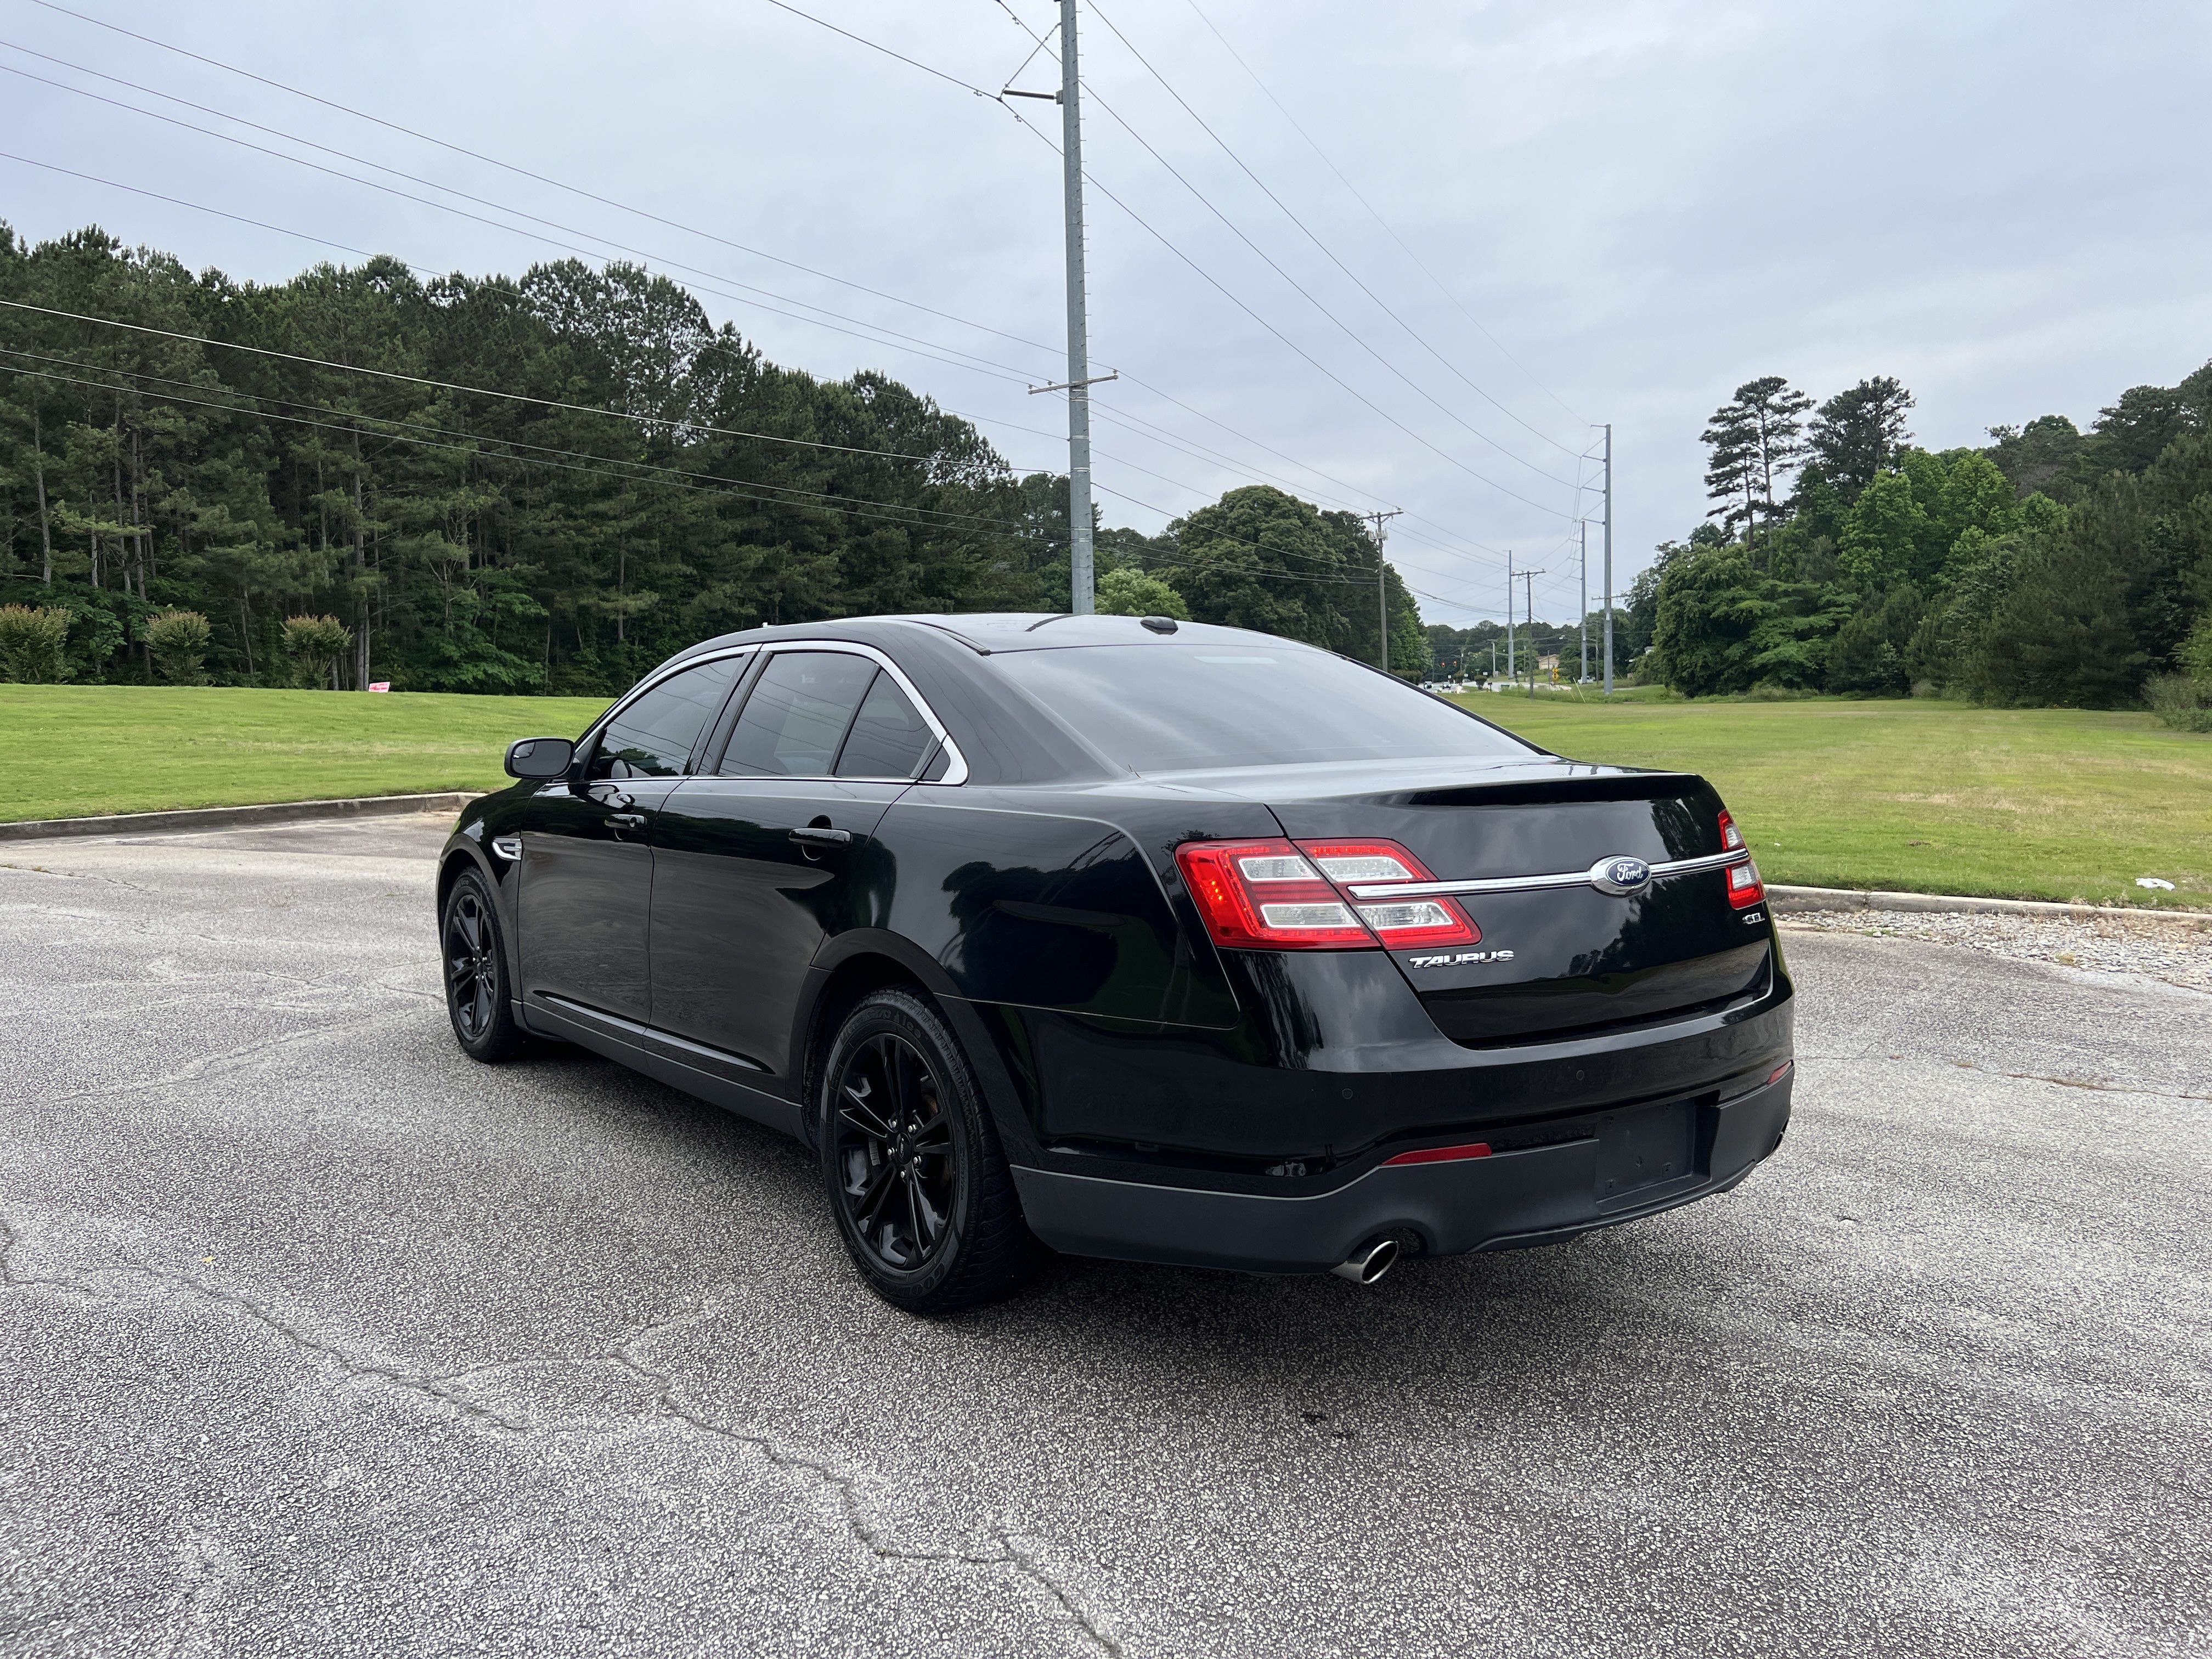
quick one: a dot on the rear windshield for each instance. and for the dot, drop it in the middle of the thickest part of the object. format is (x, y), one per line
(1176, 708)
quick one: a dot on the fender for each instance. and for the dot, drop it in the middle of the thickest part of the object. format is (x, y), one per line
(1009, 1109)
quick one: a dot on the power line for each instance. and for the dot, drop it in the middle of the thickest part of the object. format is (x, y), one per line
(544, 178)
(741, 488)
(1220, 288)
(830, 496)
(871, 337)
(616, 414)
(455, 385)
(1092, 179)
(1315, 146)
(927, 347)
(1124, 418)
(472, 449)
(1331, 254)
(1186, 259)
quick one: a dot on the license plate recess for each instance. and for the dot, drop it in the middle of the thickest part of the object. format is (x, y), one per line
(1644, 1147)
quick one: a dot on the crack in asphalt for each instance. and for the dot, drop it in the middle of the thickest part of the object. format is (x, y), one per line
(665, 1405)
(2097, 1086)
(355, 1370)
(216, 1065)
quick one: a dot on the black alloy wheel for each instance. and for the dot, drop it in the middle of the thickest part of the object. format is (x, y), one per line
(915, 1176)
(476, 973)
(895, 1155)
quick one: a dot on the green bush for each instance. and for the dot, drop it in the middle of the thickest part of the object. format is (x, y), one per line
(1126, 592)
(179, 642)
(2183, 703)
(33, 644)
(315, 644)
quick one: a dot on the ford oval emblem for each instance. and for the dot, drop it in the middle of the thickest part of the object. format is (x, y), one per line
(1620, 876)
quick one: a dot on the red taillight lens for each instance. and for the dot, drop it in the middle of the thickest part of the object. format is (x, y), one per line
(1263, 896)
(1401, 924)
(1744, 889)
(1280, 895)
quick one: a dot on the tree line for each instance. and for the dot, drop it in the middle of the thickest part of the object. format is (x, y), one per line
(2051, 566)
(543, 483)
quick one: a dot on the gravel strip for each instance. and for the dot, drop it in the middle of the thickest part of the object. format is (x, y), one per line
(2145, 945)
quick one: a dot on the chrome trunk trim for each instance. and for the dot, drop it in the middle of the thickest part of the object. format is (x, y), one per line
(1530, 883)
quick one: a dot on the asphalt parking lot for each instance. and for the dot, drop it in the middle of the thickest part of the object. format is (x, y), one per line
(317, 1338)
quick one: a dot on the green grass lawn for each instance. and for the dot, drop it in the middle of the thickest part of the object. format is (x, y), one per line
(1923, 796)
(73, 750)
(1926, 796)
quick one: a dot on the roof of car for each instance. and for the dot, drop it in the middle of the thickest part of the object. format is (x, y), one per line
(992, 631)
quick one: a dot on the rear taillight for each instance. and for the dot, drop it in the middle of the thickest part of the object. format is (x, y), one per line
(1263, 896)
(1278, 895)
(1401, 924)
(1744, 889)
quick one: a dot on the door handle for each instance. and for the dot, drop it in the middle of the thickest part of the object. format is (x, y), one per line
(626, 820)
(823, 838)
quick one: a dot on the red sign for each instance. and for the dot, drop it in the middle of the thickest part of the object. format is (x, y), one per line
(379, 685)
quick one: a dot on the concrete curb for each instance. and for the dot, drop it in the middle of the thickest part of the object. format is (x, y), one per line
(1787, 899)
(232, 817)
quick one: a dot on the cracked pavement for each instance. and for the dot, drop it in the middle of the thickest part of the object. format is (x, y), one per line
(318, 1339)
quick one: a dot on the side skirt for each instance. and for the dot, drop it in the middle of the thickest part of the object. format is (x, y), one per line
(709, 1073)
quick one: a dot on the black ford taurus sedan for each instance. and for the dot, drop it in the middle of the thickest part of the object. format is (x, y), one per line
(1160, 941)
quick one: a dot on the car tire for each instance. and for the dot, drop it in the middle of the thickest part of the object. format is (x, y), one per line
(911, 1161)
(473, 951)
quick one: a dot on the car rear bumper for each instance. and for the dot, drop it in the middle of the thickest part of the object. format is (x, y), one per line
(1538, 1195)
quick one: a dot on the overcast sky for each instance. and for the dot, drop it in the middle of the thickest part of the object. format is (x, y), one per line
(1627, 209)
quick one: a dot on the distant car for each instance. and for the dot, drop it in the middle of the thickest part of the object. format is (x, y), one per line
(1149, 940)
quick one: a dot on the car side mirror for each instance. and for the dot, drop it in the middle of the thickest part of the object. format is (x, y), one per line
(539, 757)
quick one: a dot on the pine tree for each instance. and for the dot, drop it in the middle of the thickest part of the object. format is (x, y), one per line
(1858, 433)
(1754, 439)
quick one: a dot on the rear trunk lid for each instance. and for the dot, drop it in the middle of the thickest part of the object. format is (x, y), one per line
(1560, 959)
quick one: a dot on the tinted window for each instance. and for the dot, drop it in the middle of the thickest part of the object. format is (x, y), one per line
(652, 738)
(1166, 707)
(889, 738)
(796, 715)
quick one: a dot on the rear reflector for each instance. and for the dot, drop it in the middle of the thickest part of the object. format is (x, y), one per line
(1441, 1154)
(1779, 1073)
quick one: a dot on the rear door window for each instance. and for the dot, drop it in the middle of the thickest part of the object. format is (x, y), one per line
(889, 738)
(653, 735)
(796, 717)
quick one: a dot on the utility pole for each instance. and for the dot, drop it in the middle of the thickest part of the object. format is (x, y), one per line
(1512, 673)
(1380, 521)
(1079, 379)
(1582, 623)
(1078, 340)
(1528, 579)
(1608, 558)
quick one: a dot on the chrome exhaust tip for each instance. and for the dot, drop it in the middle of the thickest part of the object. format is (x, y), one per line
(1369, 1264)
